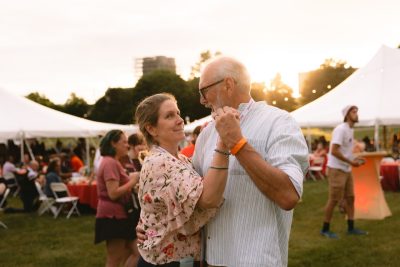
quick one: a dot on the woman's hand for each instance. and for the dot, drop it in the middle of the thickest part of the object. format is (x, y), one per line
(141, 235)
(134, 178)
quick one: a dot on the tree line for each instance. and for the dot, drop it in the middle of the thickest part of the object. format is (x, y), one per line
(119, 104)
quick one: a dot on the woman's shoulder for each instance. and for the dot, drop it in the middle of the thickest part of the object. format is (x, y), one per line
(156, 159)
(108, 159)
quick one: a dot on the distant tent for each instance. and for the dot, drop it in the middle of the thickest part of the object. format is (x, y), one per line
(190, 127)
(22, 117)
(375, 89)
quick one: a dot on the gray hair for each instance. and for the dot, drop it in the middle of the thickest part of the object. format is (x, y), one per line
(230, 67)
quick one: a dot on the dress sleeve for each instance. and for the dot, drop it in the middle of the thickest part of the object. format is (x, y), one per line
(181, 191)
(111, 171)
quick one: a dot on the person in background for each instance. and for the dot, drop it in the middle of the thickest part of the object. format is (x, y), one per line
(114, 188)
(359, 146)
(53, 176)
(26, 180)
(132, 163)
(75, 161)
(97, 158)
(340, 161)
(320, 151)
(395, 147)
(66, 169)
(175, 200)
(26, 159)
(10, 170)
(58, 147)
(3, 187)
(369, 146)
(137, 146)
(189, 149)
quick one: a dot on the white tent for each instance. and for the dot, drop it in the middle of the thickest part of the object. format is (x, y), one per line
(375, 89)
(190, 127)
(23, 118)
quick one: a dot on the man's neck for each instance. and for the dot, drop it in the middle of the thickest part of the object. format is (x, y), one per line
(350, 123)
(240, 100)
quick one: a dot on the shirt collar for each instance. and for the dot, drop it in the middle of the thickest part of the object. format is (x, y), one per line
(243, 106)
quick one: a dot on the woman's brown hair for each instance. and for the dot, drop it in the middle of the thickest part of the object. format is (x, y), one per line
(147, 113)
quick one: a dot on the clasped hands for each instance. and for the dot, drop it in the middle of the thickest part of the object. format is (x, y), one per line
(227, 124)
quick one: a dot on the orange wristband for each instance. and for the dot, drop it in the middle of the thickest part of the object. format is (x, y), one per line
(235, 149)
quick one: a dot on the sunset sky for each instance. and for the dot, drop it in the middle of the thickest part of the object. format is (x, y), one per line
(59, 47)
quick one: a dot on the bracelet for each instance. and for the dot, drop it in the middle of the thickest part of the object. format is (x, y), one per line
(226, 153)
(218, 168)
(235, 149)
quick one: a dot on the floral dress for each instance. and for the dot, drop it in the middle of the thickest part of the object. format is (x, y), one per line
(169, 189)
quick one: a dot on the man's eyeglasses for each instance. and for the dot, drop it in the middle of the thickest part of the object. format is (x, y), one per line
(203, 91)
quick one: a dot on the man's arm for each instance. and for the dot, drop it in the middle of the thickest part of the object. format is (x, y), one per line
(336, 152)
(272, 182)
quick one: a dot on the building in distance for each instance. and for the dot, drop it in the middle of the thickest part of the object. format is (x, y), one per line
(147, 65)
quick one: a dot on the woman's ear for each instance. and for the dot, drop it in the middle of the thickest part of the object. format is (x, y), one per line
(151, 130)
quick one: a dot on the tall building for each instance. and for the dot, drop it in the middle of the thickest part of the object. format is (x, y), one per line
(146, 65)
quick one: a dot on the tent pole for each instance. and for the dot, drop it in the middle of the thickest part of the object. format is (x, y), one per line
(87, 154)
(30, 151)
(384, 137)
(309, 139)
(376, 136)
(22, 146)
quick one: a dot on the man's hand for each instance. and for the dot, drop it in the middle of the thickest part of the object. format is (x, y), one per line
(141, 235)
(357, 162)
(227, 124)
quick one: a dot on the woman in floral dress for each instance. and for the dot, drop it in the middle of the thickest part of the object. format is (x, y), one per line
(176, 201)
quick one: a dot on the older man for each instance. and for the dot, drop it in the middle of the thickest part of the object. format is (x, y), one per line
(267, 165)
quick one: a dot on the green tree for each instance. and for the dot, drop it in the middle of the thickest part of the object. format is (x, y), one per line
(196, 110)
(319, 82)
(114, 107)
(76, 106)
(204, 56)
(280, 94)
(160, 81)
(257, 91)
(43, 100)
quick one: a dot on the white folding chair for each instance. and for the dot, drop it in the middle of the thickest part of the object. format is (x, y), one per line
(12, 182)
(61, 188)
(46, 203)
(6, 192)
(315, 170)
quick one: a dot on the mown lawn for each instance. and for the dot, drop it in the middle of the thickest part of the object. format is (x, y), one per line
(307, 248)
(44, 241)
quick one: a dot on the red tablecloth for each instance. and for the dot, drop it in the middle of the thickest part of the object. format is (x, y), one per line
(87, 193)
(390, 173)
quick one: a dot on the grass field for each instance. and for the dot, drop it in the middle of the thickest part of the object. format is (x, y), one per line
(44, 241)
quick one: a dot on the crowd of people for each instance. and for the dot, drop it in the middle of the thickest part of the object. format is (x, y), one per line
(41, 166)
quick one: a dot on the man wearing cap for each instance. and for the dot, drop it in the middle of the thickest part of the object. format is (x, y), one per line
(340, 161)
